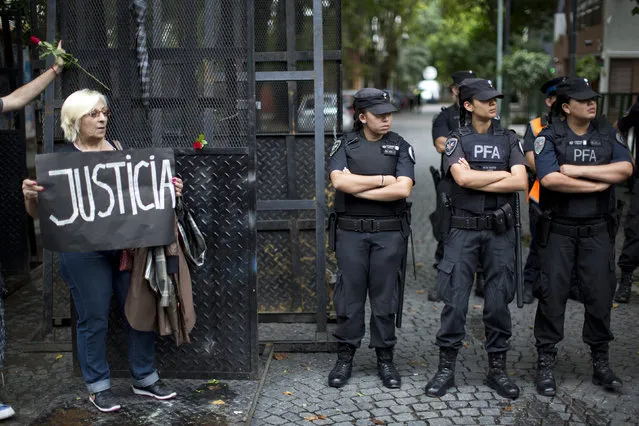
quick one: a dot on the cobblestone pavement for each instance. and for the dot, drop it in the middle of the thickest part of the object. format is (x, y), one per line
(42, 388)
(364, 401)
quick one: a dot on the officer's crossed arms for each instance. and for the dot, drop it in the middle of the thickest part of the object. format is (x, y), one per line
(581, 178)
(375, 187)
(487, 180)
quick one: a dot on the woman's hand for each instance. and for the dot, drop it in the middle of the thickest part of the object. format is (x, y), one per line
(177, 182)
(59, 62)
(30, 190)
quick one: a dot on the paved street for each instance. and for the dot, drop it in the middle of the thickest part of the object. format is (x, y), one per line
(43, 390)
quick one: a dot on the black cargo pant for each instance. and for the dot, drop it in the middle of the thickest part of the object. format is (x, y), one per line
(629, 257)
(369, 263)
(464, 249)
(593, 258)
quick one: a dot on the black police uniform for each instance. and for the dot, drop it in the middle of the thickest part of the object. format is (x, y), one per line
(533, 128)
(444, 123)
(575, 233)
(370, 244)
(474, 238)
(629, 257)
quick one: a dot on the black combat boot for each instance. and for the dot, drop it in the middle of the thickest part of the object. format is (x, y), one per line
(479, 283)
(602, 374)
(445, 376)
(498, 379)
(340, 374)
(625, 288)
(386, 369)
(545, 380)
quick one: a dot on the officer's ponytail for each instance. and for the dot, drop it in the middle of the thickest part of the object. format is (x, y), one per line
(557, 112)
(463, 113)
(357, 124)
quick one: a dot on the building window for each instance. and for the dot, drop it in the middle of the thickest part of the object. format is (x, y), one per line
(589, 13)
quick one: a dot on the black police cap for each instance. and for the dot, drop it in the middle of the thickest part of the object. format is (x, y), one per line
(576, 88)
(373, 100)
(459, 76)
(549, 88)
(479, 89)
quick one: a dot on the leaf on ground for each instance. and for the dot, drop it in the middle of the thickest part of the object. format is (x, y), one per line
(359, 393)
(420, 291)
(286, 371)
(477, 306)
(280, 356)
(508, 407)
(58, 357)
(213, 382)
(465, 345)
(218, 402)
(615, 305)
(315, 417)
(416, 362)
(434, 308)
(287, 393)
(378, 421)
(419, 264)
(198, 390)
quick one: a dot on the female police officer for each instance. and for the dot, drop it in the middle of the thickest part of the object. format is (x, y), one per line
(487, 165)
(372, 170)
(579, 159)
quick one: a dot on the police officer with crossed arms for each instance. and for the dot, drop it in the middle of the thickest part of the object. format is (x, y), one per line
(487, 166)
(579, 159)
(443, 124)
(372, 170)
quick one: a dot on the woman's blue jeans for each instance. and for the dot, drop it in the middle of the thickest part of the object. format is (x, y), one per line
(92, 278)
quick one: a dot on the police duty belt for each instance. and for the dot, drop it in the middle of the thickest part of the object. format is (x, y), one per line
(369, 225)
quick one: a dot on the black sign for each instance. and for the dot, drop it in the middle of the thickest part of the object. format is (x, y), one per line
(106, 200)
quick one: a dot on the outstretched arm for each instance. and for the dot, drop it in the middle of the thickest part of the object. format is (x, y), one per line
(25, 94)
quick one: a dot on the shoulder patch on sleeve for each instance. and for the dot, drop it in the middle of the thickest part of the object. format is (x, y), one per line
(335, 147)
(540, 141)
(451, 144)
(621, 140)
(411, 153)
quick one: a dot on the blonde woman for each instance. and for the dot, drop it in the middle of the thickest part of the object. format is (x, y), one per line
(92, 277)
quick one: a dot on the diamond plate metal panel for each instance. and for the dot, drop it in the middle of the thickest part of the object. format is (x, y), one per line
(271, 169)
(14, 257)
(224, 340)
(278, 291)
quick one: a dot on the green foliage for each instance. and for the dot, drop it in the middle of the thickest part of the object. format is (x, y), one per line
(526, 71)
(449, 34)
(588, 67)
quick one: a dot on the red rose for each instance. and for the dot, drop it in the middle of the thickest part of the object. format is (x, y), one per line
(197, 145)
(35, 40)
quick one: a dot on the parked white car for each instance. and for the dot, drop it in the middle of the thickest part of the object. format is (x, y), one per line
(306, 114)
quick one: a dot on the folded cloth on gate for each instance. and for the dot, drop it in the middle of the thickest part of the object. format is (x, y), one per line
(144, 308)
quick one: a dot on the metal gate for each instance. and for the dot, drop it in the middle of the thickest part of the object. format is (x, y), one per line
(14, 257)
(298, 64)
(175, 70)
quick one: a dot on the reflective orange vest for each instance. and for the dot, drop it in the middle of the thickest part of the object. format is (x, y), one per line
(536, 127)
